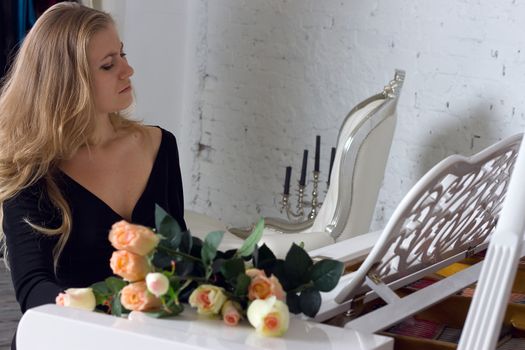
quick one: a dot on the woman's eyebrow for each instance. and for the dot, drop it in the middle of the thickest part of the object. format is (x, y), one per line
(111, 54)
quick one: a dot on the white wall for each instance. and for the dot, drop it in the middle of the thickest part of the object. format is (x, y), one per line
(262, 78)
(279, 72)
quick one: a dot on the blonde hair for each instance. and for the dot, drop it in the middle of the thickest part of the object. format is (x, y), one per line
(47, 109)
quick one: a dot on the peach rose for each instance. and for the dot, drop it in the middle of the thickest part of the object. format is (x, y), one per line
(135, 297)
(129, 266)
(80, 298)
(231, 313)
(133, 238)
(262, 287)
(208, 299)
(270, 317)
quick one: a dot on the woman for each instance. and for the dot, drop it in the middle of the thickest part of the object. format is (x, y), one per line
(71, 164)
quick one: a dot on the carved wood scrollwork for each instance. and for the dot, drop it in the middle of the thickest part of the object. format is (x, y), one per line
(455, 212)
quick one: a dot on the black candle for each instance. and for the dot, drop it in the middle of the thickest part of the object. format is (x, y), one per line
(287, 180)
(302, 181)
(317, 152)
(332, 157)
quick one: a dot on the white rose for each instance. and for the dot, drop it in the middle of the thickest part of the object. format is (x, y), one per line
(270, 317)
(80, 298)
(208, 299)
(157, 283)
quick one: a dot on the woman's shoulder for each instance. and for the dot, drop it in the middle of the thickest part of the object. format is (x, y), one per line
(154, 135)
(158, 135)
(28, 194)
(31, 202)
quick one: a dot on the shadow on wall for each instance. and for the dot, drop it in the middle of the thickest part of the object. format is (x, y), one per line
(466, 135)
(464, 131)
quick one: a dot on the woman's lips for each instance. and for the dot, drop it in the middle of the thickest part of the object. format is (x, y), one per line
(126, 89)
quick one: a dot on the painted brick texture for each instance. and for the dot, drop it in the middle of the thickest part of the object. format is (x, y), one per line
(279, 72)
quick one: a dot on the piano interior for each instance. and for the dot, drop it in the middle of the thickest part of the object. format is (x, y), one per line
(439, 327)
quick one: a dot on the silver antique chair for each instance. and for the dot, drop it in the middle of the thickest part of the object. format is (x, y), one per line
(363, 146)
(362, 151)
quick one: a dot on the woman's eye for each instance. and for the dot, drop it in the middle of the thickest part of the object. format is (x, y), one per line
(123, 54)
(107, 67)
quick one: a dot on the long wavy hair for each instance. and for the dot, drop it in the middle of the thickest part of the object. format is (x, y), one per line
(47, 109)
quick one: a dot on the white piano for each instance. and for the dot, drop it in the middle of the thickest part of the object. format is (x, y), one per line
(450, 214)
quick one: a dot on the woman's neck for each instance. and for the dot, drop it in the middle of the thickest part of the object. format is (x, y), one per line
(104, 131)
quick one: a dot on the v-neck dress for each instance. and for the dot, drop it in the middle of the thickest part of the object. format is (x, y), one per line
(85, 258)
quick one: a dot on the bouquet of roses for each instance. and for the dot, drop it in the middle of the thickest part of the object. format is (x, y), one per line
(160, 270)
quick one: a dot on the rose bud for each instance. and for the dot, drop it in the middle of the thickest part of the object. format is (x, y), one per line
(135, 297)
(133, 238)
(231, 312)
(80, 298)
(262, 287)
(129, 266)
(157, 283)
(207, 299)
(270, 317)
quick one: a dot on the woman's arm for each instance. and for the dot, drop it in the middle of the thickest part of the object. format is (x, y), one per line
(30, 253)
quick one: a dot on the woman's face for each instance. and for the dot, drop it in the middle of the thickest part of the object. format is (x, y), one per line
(110, 71)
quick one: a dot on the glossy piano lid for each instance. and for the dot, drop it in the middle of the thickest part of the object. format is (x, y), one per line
(60, 328)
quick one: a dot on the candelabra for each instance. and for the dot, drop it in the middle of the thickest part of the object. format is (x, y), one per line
(314, 204)
(292, 215)
(299, 214)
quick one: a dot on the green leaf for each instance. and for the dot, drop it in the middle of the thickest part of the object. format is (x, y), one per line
(209, 248)
(186, 242)
(279, 271)
(101, 292)
(297, 264)
(326, 273)
(230, 253)
(243, 282)
(168, 227)
(293, 302)
(216, 266)
(196, 246)
(116, 306)
(310, 302)
(265, 257)
(251, 242)
(101, 288)
(230, 269)
(115, 284)
(184, 268)
(162, 260)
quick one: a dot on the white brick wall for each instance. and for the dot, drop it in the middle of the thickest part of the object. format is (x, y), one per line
(265, 76)
(279, 72)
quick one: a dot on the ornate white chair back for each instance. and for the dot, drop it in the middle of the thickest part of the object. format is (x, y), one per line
(361, 156)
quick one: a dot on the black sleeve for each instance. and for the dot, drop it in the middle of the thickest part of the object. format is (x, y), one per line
(176, 195)
(30, 254)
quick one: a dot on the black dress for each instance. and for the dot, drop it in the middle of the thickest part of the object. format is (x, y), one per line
(85, 258)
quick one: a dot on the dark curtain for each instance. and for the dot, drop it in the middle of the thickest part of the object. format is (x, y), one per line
(8, 27)
(16, 19)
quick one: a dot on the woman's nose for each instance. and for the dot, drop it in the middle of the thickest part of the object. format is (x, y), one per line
(127, 70)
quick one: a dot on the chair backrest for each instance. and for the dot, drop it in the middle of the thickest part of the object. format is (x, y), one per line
(362, 152)
(451, 210)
